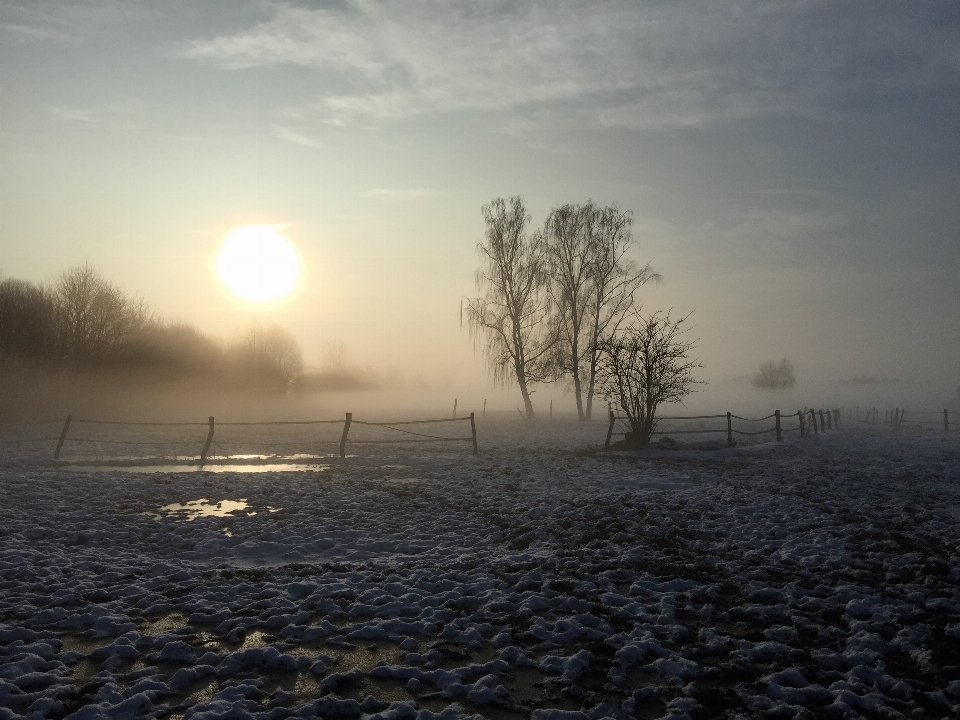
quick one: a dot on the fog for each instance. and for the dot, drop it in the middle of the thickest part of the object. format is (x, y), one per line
(792, 172)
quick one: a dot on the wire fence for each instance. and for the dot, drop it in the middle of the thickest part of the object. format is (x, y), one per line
(898, 416)
(805, 422)
(296, 439)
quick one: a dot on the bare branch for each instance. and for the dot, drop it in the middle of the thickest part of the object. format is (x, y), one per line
(645, 365)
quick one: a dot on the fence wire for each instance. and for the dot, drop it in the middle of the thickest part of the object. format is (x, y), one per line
(262, 442)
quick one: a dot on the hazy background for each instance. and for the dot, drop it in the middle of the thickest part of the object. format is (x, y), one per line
(793, 168)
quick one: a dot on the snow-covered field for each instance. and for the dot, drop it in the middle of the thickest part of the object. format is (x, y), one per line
(810, 578)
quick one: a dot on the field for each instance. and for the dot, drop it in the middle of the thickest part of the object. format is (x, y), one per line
(542, 578)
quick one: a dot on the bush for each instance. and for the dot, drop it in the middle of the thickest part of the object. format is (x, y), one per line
(643, 366)
(775, 376)
(268, 354)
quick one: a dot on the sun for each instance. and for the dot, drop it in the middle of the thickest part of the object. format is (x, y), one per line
(257, 263)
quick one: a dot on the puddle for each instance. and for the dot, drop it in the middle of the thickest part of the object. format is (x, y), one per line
(205, 508)
(216, 468)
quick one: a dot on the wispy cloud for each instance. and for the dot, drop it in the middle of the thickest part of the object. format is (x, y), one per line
(626, 64)
(63, 22)
(108, 112)
(295, 137)
(30, 33)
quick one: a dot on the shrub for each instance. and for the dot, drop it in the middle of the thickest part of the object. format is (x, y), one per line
(775, 376)
(643, 366)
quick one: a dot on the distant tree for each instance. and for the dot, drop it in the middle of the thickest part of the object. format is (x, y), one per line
(27, 320)
(177, 349)
(268, 352)
(510, 318)
(334, 355)
(94, 317)
(643, 365)
(775, 376)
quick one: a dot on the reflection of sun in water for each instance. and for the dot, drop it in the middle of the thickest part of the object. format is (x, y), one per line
(257, 263)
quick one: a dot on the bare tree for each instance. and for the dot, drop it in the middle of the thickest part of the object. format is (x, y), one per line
(775, 376)
(271, 353)
(644, 365)
(95, 318)
(27, 319)
(570, 251)
(511, 316)
(334, 355)
(615, 279)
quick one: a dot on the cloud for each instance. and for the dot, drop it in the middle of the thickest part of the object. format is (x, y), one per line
(63, 22)
(30, 33)
(295, 137)
(627, 64)
(753, 238)
(108, 112)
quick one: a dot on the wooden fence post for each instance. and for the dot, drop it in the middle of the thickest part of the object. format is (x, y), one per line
(776, 414)
(813, 421)
(613, 419)
(473, 431)
(454, 407)
(66, 426)
(803, 431)
(836, 417)
(829, 420)
(729, 429)
(551, 408)
(946, 420)
(206, 445)
(822, 429)
(484, 407)
(346, 431)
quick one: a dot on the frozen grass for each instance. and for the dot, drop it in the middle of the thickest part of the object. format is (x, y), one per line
(813, 578)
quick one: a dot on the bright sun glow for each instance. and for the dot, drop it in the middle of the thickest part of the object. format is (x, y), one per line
(257, 263)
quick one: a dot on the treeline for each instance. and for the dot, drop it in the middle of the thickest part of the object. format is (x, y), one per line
(84, 322)
(548, 297)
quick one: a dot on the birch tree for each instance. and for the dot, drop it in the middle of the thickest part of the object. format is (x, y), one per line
(510, 318)
(570, 248)
(614, 281)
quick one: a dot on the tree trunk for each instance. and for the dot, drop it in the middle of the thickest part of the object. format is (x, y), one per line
(591, 385)
(522, 382)
(527, 404)
(577, 387)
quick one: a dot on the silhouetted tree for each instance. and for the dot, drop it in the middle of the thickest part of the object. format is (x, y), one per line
(775, 376)
(644, 365)
(511, 316)
(177, 349)
(94, 317)
(570, 252)
(615, 279)
(593, 283)
(270, 353)
(27, 320)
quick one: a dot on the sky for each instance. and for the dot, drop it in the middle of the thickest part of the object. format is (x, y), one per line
(793, 168)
